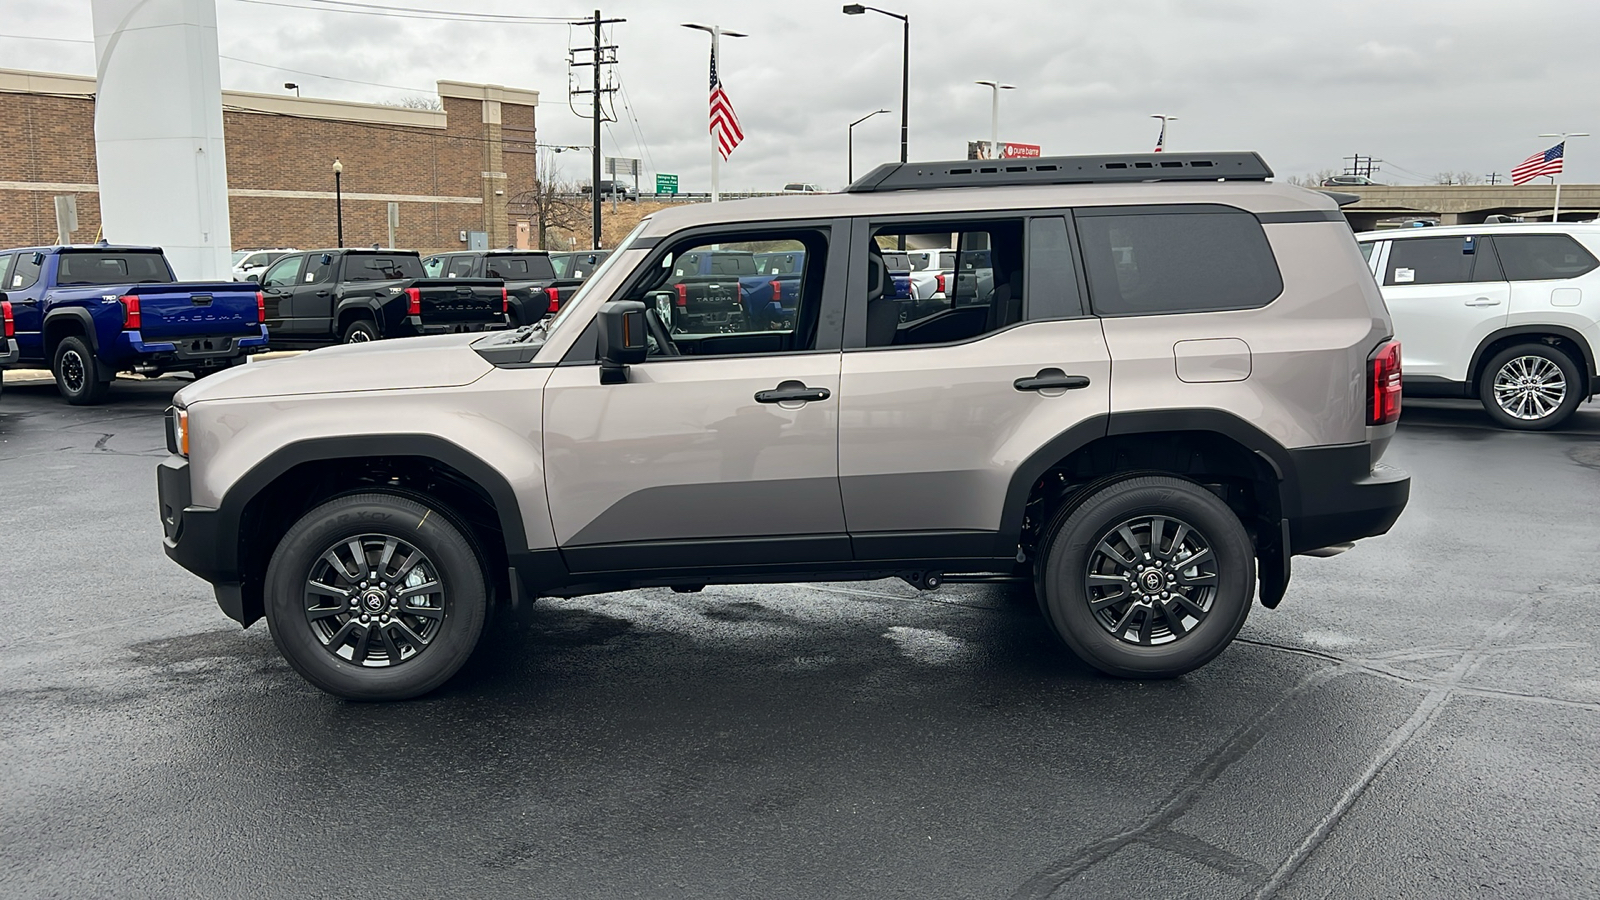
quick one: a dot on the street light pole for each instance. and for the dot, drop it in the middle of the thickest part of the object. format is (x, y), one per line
(857, 9)
(994, 114)
(1555, 212)
(851, 143)
(1161, 140)
(338, 198)
(717, 33)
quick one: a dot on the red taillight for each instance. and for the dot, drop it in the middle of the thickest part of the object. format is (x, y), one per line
(9, 325)
(555, 299)
(777, 292)
(413, 301)
(261, 308)
(683, 295)
(1383, 384)
(939, 281)
(505, 301)
(131, 320)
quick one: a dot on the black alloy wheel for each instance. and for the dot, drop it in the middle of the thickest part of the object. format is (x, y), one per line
(1150, 577)
(376, 597)
(79, 376)
(361, 331)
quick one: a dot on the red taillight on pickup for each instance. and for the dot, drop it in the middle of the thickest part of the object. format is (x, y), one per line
(683, 295)
(505, 301)
(261, 308)
(1383, 384)
(555, 300)
(131, 319)
(938, 281)
(6, 322)
(777, 292)
(413, 301)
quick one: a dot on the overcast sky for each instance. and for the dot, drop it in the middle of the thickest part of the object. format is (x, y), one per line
(1425, 85)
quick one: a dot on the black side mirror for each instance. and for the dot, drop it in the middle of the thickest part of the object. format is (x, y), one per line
(622, 339)
(253, 276)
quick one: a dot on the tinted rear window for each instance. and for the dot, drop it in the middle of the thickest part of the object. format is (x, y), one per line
(1176, 262)
(522, 267)
(781, 263)
(1440, 260)
(897, 262)
(112, 268)
(363, 267)
(732, 264)
(1541, 257)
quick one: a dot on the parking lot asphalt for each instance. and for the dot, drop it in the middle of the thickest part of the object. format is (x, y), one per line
(1417, 719)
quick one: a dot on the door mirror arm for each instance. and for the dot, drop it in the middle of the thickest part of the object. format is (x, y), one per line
(621, 339)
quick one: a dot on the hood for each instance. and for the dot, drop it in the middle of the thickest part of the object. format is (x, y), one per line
(445, 360)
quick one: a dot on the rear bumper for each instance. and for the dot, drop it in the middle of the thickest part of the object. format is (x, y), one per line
(196, 349)
(9, 352)
(197, 539)
(414, 326)
(1341, 495)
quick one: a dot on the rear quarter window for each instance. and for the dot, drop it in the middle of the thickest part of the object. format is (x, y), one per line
(1543, 257)
(1174, 260)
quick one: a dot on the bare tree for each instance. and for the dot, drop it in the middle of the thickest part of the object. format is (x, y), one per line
(553, 202)
(1315, 179)
(417, 101)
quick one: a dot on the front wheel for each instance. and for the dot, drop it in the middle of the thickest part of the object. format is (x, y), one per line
(1530, 387)
(1147, 578)
(80, 377)
(375, 597)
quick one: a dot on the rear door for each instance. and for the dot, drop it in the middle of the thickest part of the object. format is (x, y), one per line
(313, 295)
(1546, 276)
(277, 290)
(27, 308)
(1445, 294)
(942, 404)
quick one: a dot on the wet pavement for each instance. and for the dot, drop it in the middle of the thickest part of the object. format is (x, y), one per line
(1417, 719)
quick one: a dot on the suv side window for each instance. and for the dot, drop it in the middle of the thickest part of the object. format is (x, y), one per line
(26, 273)
(1434, 260)
(1543, 257)
(983, 292)
(1144, 261)
(1052, 286)
(283, 272)
(710, 297)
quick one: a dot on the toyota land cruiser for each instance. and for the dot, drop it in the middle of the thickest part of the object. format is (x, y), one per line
(1175, 376)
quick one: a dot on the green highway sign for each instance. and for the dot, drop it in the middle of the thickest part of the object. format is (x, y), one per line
(666, 184)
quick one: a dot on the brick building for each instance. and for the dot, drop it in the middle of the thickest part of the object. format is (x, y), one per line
(448, 172)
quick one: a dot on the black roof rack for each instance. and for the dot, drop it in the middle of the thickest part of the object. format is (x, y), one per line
(1104, 169)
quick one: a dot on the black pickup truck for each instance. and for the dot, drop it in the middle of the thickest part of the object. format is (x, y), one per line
(534, 289)
(324, 297)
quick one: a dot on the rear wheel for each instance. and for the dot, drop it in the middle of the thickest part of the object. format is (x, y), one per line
(375, 597)
(80, 377)
(1530, 387)
(1147, 578)
(360, 331)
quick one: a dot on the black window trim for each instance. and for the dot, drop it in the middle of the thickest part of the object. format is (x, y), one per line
(1084, 212)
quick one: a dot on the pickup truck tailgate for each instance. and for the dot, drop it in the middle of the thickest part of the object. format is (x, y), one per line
(220, 309)
(460, 301)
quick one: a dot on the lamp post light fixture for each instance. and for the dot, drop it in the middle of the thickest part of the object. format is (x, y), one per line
(1161, 139)
(1555, 211)
(994, 114)
(338, 198)
(717, 33)
(851, 144)
(856, 9)
(291, 86)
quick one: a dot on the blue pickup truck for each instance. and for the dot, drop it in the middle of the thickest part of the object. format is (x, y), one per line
(87, 313)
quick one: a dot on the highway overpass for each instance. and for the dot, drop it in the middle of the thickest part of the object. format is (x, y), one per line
(1467, 204)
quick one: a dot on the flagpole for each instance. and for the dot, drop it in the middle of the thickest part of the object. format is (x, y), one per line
(716, 152)
(1555, 212)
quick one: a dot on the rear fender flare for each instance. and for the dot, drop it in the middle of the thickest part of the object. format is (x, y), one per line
(75, 317)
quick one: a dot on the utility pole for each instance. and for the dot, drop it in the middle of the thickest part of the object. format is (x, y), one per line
(602, 55)
(1361, 165)
(1493, 177)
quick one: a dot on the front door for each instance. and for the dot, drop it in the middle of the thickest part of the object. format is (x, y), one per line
(944, 400)
(698, 460)
(1445, 294)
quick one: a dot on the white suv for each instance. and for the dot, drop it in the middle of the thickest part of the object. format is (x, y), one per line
(1507, 314)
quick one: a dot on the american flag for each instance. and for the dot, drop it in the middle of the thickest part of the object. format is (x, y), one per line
(1545, 163)
(724, 121)
(1161, 139)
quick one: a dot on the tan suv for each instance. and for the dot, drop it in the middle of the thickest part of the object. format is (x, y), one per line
(1171, 376)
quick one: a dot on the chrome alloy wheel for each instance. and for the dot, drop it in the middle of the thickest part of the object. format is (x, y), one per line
(74, 374)
(374, 601)
(1529, 387)
(1151, 580)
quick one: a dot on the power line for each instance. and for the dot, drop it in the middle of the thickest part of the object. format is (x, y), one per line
(398, 87)
(440, 15)
(549, 20)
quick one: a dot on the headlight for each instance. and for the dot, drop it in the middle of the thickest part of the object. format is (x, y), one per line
(178, 431)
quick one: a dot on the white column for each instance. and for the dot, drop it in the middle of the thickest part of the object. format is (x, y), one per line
(163, 169)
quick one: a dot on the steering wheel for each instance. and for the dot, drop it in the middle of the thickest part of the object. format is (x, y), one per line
(658, 333)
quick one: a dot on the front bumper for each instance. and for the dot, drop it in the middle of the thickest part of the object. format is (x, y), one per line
(199, 539)
(1341, 495)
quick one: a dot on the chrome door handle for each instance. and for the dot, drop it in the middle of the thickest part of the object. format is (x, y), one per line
(1483, 301)
(1051, 379)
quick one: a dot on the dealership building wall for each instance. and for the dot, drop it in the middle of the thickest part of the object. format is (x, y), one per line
(449, 171)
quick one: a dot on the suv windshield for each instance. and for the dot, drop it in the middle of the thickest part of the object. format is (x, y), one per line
(374, 267)
(120, 267)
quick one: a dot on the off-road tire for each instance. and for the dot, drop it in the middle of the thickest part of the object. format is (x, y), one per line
(80, 377)
(1062, 578)
(448, 555)
(360, 331)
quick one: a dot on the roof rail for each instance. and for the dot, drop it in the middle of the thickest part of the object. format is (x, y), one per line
(1101, 169)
